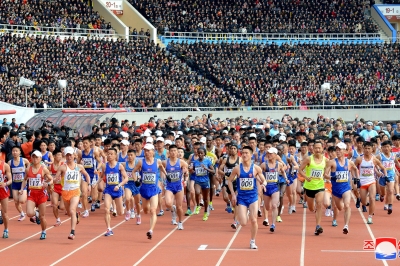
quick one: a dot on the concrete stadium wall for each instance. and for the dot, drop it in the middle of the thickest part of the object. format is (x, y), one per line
(120, 28)
(23, 114)
(132, 18)
(389, 114)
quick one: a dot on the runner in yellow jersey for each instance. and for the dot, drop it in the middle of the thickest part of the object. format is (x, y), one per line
(312, 169)
(212, 153)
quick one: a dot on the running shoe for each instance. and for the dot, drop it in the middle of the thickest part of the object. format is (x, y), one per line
(278, 219)
(127, 215)
(390, 210)
(385, 207)
(305, 205)
(37, 218)
(381, 198)
(253, 244)
(114, 213)
(97, 205)
(58, 223)
(217, 192)
(5, 234)
(301, 201)
(377, 197)
(364, 208)
(1, 219)
(290, 210)
(334, 223)
(180, 226)
(188, 212)
(89, 199)
(138, 220)
(197, 210)
(21, 218)
(259, 213)
(327, 212)
(205, 217)
(149, 234)
(358, 202)
(293, 208)
(201, 203)
(133, 215)
(71, 236)
(265, 222)
(43, 236)
(210, 206)
(161, 213)
(109, 233)
(345, 230)
(272, 228)
(228, 209)
(85, 214)
(398, 197)
(369, 221)
(234, 226)
(318, 230)
(80, 205)
(33, 219)
(92, 208)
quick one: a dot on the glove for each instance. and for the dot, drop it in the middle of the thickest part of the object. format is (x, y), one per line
(387, 179)
(138, 183)
(169, 178)
(333, 178)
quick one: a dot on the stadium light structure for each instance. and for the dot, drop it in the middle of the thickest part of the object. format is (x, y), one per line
(62, 84)
(324, 88)
(26, 83)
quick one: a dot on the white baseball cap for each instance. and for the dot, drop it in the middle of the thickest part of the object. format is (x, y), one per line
(283, 138)
(68, 150)
(149, 146)
(341, 146)
(124, 134)
(180, 133)
(37, 153)
(225, 132)
(146, 134)
(160, 139)
(272, 150)
(168, 142)
(149, 140)
(253, 135)
(125, 142)
(203, 140)
(158, 133)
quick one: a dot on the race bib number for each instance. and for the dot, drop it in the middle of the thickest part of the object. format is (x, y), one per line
(174, 176)
(246, 183)
(35, 183)
(388, 165)
(316, 173)
(72, 177)
(200, 171)
(112, 179)
(18, 177)
(1, 178)
(342, 176)
(149, 178)
(272, 177)
(367, 172)
(130, 176)
(87, 162)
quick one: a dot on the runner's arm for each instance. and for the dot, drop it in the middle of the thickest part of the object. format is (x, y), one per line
(305, 162)
(260, 176)
(235, 172)
(221, 167)
(49, 178)
(83, 172)
(124, 176)
(380, 165)
(161, 167)
(7, 171)
(328, 170)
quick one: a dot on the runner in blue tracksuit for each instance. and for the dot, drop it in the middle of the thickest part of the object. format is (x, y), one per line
(131, 190)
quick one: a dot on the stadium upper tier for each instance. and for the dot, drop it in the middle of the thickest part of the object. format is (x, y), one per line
(104, 73)
(272, 16)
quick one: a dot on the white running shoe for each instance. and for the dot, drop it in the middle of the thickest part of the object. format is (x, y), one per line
(327, 212)
(85, 214)
(138, 220)
(290, 209)
(80, 205)
(253, 244)
(133, 214)
(180, 226)
(127, 215)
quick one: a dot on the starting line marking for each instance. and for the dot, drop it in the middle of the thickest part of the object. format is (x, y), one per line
(204, 248)
(348, 251)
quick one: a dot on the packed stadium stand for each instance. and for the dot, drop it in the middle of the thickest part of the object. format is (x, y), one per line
(242, 16)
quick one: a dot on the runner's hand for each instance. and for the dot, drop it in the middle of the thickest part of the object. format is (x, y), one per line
(2, 185)
(308, 178)
(233, 200)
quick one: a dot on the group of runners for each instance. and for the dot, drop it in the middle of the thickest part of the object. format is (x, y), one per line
(145, 173)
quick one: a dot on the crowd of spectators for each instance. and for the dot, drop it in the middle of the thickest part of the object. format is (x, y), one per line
(292, 74)
(100, 73)
(272, 16)
(60, 14)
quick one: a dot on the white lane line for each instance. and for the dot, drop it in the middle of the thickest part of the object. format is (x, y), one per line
(159, 243)
(347, 251)
(231, 249)
(229, 245)
(29, 237)
(202, 247)
(84, 245)
(303, 238)
(368, 227)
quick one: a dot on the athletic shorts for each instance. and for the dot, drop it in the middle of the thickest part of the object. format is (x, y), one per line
(133, 188)
(383, 181)
(246, 201)
(174, 187)
(271, 189)
(328, 187)
(38, 196)
(234, 188)
(67, 195)
(4, 193)
(312, 193)
(148, 192)
(366, 186)
(58, 189)
(17, 186)
(338, 191)
(114, 194)
(203, 185)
